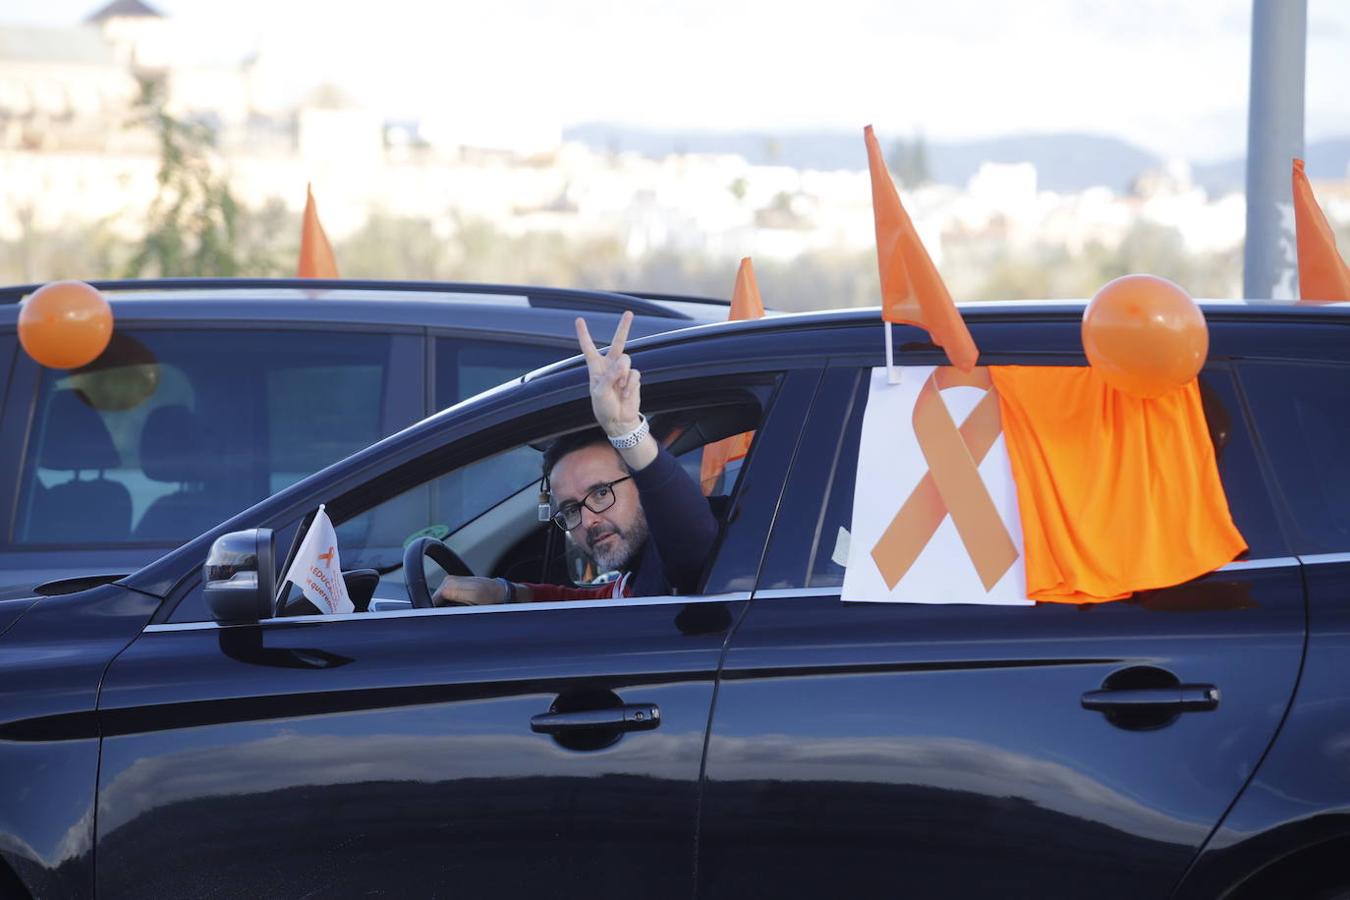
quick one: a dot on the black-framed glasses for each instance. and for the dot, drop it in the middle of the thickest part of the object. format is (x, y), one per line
(599, 499)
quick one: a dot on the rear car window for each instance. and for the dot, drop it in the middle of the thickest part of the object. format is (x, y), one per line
(1302, 415)
(464, 369)
(1248, 498)
(170, 432)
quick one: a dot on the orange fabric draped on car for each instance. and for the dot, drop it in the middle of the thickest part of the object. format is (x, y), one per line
(1117, 494)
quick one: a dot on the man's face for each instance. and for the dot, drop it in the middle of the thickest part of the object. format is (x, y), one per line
(612, 538)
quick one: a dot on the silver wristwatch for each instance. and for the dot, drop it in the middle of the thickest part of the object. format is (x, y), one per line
(632, 438)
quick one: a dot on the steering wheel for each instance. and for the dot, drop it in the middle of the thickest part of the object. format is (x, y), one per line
(416, 577)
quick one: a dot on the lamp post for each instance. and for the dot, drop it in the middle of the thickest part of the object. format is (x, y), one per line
(1274, 138)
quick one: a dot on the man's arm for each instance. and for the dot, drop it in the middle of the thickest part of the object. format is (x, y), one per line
(473, 590)
(679, 519)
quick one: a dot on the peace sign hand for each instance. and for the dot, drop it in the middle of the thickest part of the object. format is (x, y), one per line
(615, 384)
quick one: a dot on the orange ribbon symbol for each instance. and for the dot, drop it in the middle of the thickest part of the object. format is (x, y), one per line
(952, 485)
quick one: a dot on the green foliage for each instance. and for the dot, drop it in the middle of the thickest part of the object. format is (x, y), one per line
(908, 162)
(194, 227)
(1052, 272)
(84, 250)
(474, 250)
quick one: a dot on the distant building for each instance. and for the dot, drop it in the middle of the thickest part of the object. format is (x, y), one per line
(140, 35)
(74, 88)
(60, 87)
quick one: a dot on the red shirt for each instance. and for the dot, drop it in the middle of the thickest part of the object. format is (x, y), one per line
(612, 591)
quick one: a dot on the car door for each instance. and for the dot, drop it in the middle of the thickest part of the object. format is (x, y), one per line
(1297, 807)
(404, 753)
(871, 749)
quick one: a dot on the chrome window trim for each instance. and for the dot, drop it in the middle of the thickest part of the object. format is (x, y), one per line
(783, 593)
(1274, 562)
(458, 611)
(1271, 562)
(1322, 559)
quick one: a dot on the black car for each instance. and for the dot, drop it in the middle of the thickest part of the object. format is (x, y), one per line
(803, 746)
(216, 393)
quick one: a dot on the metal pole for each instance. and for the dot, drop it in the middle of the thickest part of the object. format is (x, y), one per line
(1274, 138)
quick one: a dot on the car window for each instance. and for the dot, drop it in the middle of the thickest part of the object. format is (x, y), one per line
(169, 432)
(8, 342)
(832, 448)
(1300, 411)
(465, 368)
(487, 509)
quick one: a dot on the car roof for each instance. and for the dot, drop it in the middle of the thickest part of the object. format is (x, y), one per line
(375, 302)
(974, 313)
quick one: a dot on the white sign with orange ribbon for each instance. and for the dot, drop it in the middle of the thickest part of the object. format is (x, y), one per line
(935, 516)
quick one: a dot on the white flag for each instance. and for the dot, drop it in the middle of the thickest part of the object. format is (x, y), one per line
(317, 570)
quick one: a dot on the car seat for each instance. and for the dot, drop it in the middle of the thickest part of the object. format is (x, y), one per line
(75, 440)
(174, 451)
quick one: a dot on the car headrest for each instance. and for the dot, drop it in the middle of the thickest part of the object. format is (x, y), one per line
(75, 438)
(172, 447)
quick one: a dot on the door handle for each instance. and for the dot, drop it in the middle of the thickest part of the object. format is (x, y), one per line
(1174, 698)
(629, 717)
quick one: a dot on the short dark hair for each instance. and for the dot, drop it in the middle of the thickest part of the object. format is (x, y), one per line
(570, 443)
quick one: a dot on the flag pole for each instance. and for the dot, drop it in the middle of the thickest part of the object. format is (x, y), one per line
(892, 370)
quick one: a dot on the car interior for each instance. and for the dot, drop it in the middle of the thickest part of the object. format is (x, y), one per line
(487, 513)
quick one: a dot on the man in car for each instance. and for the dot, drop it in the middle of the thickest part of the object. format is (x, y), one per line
(624, 499)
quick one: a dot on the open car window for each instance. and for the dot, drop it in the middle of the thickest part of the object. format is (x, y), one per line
(486, 509)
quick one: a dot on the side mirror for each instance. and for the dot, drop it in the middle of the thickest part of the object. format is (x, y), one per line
(239, 578)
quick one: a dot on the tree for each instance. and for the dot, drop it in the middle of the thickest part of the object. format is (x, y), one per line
(192, 228)
(909, 161)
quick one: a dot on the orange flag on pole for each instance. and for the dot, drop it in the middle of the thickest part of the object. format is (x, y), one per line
(912, 291)
(745, 304)
(745, 300)
(316, 254)
(1322, 273)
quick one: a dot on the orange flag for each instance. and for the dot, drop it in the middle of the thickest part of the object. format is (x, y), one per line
(912, 291)
(316, 254)
(1322, 273)
(745, 300)
(745, 304)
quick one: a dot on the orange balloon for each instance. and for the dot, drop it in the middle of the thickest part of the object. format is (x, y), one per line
(1145, 335)
(65, 324)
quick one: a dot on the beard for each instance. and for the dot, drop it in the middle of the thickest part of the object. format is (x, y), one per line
(619, 553)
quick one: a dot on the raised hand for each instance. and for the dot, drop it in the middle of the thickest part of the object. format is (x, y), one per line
(615, 384)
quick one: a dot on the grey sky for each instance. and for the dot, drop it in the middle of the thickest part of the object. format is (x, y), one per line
(1169, 76)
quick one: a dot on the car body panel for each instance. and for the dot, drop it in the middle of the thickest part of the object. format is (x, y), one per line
(1299, 799)
(54, 657)
(396, 756)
